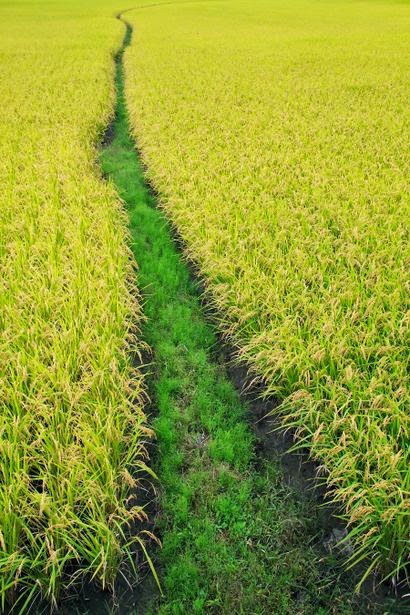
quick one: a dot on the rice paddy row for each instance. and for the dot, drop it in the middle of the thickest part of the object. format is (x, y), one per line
(276, 136)
(72, 430)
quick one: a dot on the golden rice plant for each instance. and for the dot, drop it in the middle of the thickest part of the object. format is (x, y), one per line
(71, 426)
(276, 134)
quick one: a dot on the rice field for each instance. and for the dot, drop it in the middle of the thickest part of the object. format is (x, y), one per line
(72, 428)
(276, 134)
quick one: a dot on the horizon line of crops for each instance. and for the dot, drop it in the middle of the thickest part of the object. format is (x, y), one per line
(72, 429)
(275, 134)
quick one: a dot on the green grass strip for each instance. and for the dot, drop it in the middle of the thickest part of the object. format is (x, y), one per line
(235, 538)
